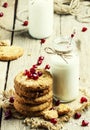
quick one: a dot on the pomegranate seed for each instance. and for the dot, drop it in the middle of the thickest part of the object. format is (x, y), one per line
(8, 114)
(72, 35)
(43, 41)
(77, 115)
(39, 62)
(30, 75)
(41, 58)
(32, 70)
(35, 76)
(1, 14)
(25, 23)
(84, 123)
(26, 72)
(34, 66)
(53, 120)
(11, 100)
(57, 103)
(39, 73)
(47, 67)
(84, 29)
(83, 99)
(5, 5)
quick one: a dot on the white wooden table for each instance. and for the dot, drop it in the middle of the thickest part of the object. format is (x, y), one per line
(63, 25)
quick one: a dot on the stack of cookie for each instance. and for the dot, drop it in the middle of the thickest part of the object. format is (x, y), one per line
(32, 97)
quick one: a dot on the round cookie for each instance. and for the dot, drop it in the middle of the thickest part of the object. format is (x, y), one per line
(43, 82)
(33, 114)
(39, 100)
(31, 94)
(30, 107)
(10, 52)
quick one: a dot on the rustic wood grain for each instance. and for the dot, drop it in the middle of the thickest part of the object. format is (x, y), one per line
(32, 49)
(6, 21)
(63, 25)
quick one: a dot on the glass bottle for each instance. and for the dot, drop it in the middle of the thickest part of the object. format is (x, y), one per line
(65, 69)
(40, 18)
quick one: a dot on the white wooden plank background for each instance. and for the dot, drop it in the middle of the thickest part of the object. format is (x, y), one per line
(63, 25)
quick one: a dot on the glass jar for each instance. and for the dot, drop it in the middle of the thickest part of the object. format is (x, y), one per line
(40, 18)
(65, 69)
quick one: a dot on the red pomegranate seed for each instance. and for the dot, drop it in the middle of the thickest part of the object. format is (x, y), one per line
(83, 99)
(8, 114)
(43, 41)
(26, 72)
(47, 67)
(72, 35)
(53, 120)
(5, 5)
(57, 103)
(34, 66)
(1, 14)
(30, 75)
(11, 100)
(32, 70)
(84, 29)
(77, 115)
(35, 76)
(39, 62)
(84, 123)
(25, 23)
(41, 58)
(39, 73)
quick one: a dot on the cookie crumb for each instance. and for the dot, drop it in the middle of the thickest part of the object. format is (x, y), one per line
(49, 114)
(63, 109)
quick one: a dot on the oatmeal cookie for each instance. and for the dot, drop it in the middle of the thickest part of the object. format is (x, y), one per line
(39, 100)
(32, 109)
(10, 52)
(43, 82)
(31, 113)
(31, 94)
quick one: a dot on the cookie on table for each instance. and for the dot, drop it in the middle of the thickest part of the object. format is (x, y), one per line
(31, 94)
(39, 100)
(63, 109)
(10, 52)
(43, 82)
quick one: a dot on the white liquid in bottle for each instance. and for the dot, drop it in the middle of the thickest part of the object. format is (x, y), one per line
(40, 18)
(65, 74)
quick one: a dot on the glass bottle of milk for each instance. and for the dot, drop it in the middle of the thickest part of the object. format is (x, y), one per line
(40, 18)
(65, 69)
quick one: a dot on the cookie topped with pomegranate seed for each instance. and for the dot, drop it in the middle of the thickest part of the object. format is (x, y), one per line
(32, 81)
(33, 91)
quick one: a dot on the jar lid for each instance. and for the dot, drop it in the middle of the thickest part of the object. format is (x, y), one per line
(63, 44)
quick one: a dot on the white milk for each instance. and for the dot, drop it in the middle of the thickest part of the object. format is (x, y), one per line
(40, 18)
(65, 73)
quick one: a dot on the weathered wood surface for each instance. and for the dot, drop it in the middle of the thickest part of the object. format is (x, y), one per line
(63, 25)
